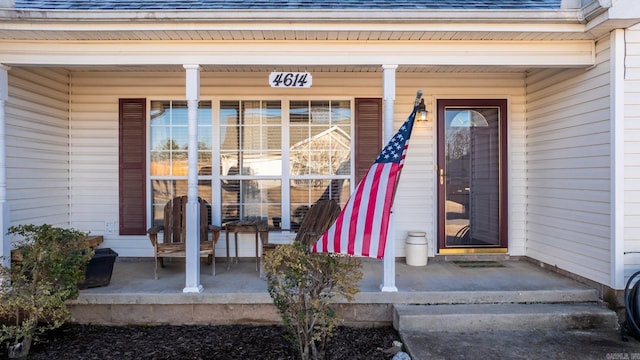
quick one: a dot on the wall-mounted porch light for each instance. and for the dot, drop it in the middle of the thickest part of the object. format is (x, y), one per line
(422, 111)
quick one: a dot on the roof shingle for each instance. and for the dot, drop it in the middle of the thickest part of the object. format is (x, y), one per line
(285, 4)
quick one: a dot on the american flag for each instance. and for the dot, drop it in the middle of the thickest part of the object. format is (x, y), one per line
(362, 227)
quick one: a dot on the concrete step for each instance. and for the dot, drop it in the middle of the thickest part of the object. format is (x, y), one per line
(490, 317)
(476, 296)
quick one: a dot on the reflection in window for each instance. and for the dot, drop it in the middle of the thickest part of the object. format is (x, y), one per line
(168, 147)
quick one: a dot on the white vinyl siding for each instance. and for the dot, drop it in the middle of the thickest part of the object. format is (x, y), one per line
(568, 168)
(632, 153)
(37, 146)
(94, 131)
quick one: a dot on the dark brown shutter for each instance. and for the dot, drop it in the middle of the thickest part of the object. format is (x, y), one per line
(368, 134)
(132, 169)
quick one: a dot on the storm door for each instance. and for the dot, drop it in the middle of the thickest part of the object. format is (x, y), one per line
(471, 176)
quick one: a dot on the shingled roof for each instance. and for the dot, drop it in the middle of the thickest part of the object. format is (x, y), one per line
(285, 4)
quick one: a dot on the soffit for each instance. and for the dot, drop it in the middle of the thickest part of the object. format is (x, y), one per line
(292, 35)
(313, 69)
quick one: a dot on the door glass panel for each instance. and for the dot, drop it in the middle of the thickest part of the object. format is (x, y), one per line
(471, 177)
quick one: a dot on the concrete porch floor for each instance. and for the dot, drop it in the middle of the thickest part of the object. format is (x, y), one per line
(238, 295)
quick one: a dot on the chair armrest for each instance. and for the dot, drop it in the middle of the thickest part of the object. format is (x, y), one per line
(215, 232)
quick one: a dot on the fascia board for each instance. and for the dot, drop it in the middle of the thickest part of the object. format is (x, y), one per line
(522, 27)
(502, 53)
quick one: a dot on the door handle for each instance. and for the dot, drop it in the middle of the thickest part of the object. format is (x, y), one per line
(441, 176)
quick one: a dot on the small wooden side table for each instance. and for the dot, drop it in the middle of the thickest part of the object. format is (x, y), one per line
(254, 225)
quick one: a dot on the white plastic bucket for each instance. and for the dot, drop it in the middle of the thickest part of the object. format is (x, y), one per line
(417, 248)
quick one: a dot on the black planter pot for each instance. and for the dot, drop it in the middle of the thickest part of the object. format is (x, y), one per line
(99, 269)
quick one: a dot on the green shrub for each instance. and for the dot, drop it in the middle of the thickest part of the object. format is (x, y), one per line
(50, 264)
(302, 284)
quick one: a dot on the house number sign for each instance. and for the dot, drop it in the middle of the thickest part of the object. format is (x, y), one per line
(290, 79)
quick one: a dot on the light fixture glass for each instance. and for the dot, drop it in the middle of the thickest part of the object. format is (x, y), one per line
(422, 111)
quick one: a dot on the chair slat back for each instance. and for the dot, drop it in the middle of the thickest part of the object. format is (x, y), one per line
(317, 221)
(175, 219)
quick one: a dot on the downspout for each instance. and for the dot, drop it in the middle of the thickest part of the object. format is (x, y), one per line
(69, 157)
(617, 121)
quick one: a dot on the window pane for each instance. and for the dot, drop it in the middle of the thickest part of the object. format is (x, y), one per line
(299, 112)
(180, 138)
(204, 138)
(160, 137)
(298, 135)
(273, 113)
(179, 115)
(320, 112)
(341, 113)
(204, 113)
(179, 163)
(251, 113)
(159, 113)
(204, 163)
(229, 138)
(160, 163)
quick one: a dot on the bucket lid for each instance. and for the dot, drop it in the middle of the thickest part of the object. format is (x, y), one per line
(417, 233)
(417, 238)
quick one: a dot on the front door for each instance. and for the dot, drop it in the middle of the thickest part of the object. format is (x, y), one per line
(471, 176)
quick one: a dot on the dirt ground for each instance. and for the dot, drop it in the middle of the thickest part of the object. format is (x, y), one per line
(72, 342)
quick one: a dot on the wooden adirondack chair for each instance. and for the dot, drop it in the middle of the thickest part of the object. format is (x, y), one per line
(173, 243)
(316, 222)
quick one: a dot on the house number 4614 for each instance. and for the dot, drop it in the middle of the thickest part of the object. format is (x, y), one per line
(290, 79)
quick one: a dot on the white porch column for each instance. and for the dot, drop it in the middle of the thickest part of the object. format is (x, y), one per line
(389, 98)
(192, 277)
(5, 249)
(617, 116)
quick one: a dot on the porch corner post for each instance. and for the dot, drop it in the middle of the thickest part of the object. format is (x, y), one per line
(617, 125)
(192, 276)
(5, 249)
(389, 97)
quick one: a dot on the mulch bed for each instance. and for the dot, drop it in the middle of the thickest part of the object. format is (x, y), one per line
(75, 341)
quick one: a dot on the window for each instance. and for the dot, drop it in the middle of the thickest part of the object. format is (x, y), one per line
(168, 147)
(273, 159)
(315, 148)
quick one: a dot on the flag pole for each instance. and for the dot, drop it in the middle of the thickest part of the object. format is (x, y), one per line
(388, 264)
(415, 109)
